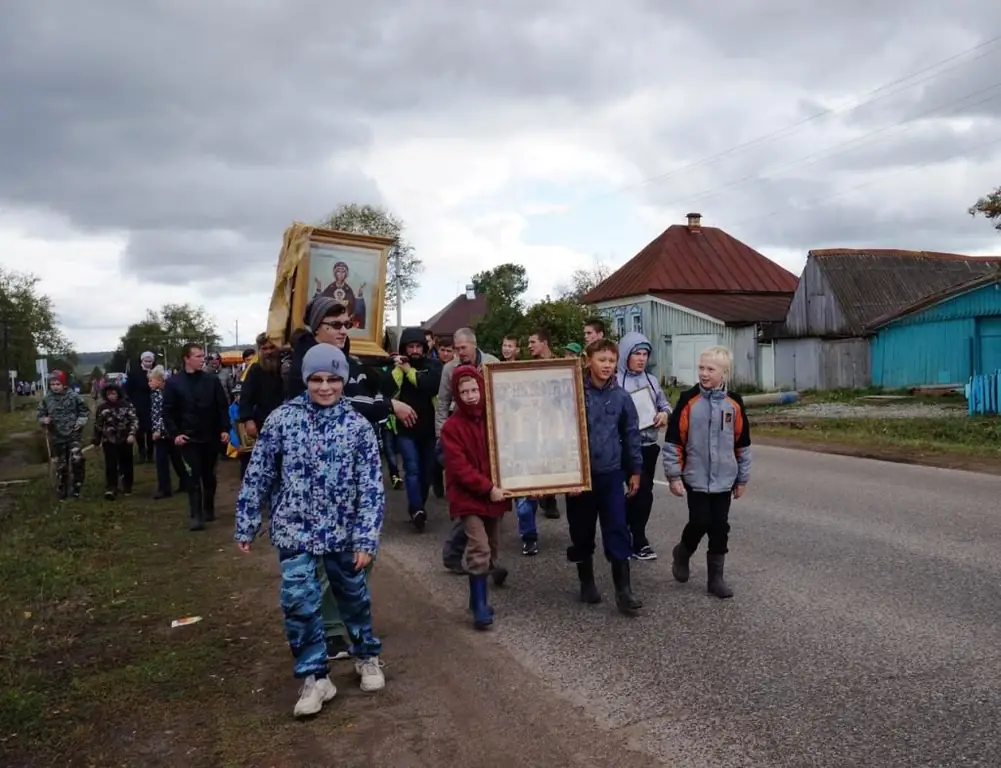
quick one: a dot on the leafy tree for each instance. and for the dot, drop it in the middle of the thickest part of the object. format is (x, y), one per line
(563, 318)
(582, 282)
(504, 287)
(164, 333)
(373, 220)
(989, 207)
(28, 326)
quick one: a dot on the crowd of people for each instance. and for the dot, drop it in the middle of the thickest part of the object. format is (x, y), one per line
(314, 426)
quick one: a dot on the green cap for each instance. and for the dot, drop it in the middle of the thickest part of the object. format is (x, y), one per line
(574, 347)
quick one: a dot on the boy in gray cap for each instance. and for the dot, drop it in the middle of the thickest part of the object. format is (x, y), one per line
(328, 508)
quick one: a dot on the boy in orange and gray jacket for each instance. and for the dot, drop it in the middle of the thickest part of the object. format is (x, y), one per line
(707, 455)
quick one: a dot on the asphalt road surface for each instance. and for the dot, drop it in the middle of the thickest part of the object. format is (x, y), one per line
(865, 630)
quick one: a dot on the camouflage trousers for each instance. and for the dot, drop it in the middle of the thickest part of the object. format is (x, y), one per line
(68, 455)
(301, 595)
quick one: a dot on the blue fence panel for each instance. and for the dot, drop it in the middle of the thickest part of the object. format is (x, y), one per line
(983, 394)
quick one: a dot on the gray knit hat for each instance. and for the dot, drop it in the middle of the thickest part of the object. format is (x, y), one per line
(320, 307)
(324, 358)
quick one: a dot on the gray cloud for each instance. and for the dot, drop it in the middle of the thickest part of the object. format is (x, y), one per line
(202, 129)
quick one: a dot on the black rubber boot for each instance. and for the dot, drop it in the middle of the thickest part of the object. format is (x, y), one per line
(716, 584)
(588, 589)
(679, 563)
(624, 599)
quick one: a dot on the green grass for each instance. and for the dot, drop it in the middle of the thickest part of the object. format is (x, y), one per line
(91, 672)
(974, 437)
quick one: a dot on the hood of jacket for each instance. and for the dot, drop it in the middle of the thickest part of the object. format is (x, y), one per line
(469, 411)
(413, 336)
(113, 387)
(629, 344)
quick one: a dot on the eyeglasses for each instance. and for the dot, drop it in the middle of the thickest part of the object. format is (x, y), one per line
(336, 324)
(321, 381)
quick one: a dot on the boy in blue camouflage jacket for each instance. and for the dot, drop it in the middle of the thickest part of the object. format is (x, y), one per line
(317, 464)
(64, 414)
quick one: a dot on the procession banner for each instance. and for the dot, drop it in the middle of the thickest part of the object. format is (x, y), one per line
(536, 427)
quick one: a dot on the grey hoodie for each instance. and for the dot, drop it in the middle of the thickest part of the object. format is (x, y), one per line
(630, 381)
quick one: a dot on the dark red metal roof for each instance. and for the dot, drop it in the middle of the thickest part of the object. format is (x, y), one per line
(460, 312)
(695, 259)
(733, 308)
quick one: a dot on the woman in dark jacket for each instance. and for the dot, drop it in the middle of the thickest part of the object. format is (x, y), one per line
(137, 390)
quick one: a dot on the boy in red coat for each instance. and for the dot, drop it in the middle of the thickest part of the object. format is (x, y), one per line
(471, 494)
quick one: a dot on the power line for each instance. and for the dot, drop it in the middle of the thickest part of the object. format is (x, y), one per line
(845, 146)
(873, 96)
(817, 201)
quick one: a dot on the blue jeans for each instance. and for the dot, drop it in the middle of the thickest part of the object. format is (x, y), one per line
(418, 464)
(526, 509)
(389, 449)
(605, 503)
(301, 597)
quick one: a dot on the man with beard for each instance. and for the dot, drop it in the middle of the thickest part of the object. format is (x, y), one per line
(415, 381)
(137, 390)
(262, 392)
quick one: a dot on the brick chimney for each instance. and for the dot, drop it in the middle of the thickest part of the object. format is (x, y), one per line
(695, 223)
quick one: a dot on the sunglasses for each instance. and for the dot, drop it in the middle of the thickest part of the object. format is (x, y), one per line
(324, 380)
(336, 324)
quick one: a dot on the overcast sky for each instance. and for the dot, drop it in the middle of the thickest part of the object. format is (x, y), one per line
(155, 151)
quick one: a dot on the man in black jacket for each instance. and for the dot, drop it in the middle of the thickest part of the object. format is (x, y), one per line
(415, 380)
(329, 323)
(263, 390)
(196, 414)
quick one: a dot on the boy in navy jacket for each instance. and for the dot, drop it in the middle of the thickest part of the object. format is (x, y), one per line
(616, 462)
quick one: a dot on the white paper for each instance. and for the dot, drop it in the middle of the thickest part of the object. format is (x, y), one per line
(646, 406)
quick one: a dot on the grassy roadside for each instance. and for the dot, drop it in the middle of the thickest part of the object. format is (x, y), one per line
(91, 672)
(956, 441)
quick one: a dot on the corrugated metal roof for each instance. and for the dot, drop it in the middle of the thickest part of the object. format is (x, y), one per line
(733, 308)
(700, 259)
(875, 283)
(992, 276)
(460, 312)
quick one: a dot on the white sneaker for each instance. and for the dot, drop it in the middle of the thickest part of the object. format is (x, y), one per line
(370, 671)
(313, 695)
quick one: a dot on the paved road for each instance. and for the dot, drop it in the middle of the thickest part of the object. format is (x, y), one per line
(865, 630)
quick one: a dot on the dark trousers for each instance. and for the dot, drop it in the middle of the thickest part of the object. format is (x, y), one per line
(418, 464)
(387, 443)
(167, 454)
(117, 461)
(638, 507)
(244, 457)
(605, 504)
(144, 444)
(708, 514)
(201, 459)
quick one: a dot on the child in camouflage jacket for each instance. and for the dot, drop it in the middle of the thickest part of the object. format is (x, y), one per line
(64, 414)
(116, 424)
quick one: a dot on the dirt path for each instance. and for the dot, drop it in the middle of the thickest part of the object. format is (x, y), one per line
(91, 674)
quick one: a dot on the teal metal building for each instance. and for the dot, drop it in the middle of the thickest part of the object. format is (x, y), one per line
(943, 339)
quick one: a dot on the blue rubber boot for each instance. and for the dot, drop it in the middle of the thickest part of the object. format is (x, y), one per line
(483, 615)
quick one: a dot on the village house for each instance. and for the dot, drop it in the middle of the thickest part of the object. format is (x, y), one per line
(892, 318)
(462, 312)
(694, 287)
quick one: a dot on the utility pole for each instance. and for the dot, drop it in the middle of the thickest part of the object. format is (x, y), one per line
(398, 281)
(237, 337)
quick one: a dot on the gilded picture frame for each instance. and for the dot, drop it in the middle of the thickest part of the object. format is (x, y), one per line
(537, 427)
(350, 268)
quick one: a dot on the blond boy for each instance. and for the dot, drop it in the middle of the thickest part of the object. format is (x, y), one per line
(707, 457)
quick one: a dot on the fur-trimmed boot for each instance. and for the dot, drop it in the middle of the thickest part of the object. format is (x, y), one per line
(716, 584)
(624, 599)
